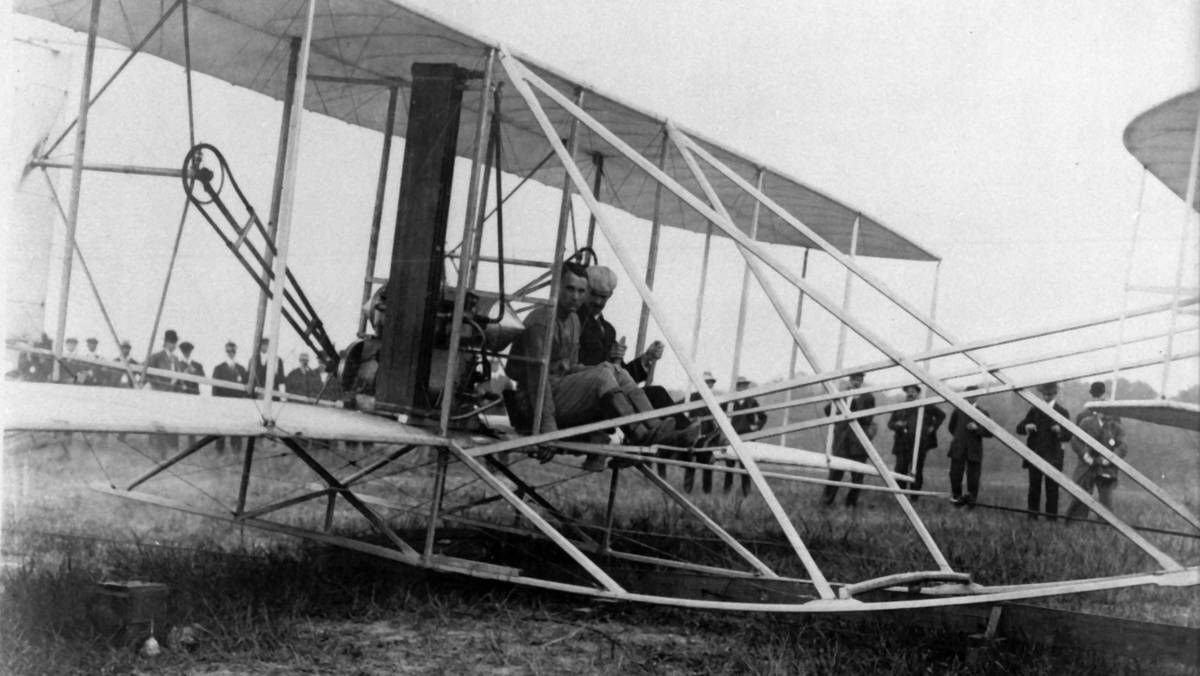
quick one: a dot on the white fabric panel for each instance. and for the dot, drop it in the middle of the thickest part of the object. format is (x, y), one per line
(246, 44)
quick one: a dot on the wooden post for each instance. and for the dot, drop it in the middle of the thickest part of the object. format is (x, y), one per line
(652, 255)
(244, 485)
(560, 241)
(281, 154)
(919, 432)
(1137, 223)
(1184, 235)
(85, 93)
(598, 162)
(385, 159)
(435, 505)
(522, 78)
(787, 412)
(697, 322)
(472, 226)
(755, 266)
(610, 510)
(841, 342)
(740, 332)
(286, 204)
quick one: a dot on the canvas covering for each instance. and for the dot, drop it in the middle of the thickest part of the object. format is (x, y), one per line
(246, 44)
(1162, 139)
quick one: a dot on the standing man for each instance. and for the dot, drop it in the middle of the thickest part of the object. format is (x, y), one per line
(89, 373)
(125, 363)
(258, 368)
(966, 454)
(166, 359)
(70, 370)
(230, 371)
(709, 436)
(903, 425)
(846, 443)
(743, 423)
(1094, 470)
(303, 380)
(193, 368)
(1044, 437)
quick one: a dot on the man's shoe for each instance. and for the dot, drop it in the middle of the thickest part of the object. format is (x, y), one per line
(959, 501)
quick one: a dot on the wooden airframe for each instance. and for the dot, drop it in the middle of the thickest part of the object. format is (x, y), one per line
(541, 108)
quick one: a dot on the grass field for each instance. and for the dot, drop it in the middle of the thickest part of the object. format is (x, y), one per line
(269, 604)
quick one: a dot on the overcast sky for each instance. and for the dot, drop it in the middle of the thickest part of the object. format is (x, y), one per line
(988, 132)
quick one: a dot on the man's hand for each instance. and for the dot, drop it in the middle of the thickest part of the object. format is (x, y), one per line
(616, 352)
(1030, 428)
(541, 453)
(972, 426)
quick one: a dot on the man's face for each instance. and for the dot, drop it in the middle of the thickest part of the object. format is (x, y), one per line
(91, 346)
(1047, 395)
(855, 382)
(125, 350)
(169, 345)
(231, 351)
(597, 299)
(574, 291)
(910, 393)
(303, 362)
(262, 348)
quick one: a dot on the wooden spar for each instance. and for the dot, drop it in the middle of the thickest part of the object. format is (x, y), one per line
(471, 232)
(167, 464)
(795, 350)
(1137, 223)
(936, 399)
(913, 367)
(610, 511)
(369, 514)
(560, 241)
(244, 484)
(698, 321)
(283, 504)
(682, 500)
(112, 78)
(522, 78)
(283, 226)
(652, 258)
(375, 466)
(598, 162)
(136, 170)
(87, 272)
(919, 432)
(281, 157)
(1184, 237)
(755, 267)
(740, 331)
(435, 502)
(839, 361)
(907, 363)
(526, 511)
(389, 82)
(385, 159)
(85, 91)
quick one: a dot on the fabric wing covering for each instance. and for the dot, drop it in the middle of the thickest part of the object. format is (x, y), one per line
(1162, 139)
(247, 44)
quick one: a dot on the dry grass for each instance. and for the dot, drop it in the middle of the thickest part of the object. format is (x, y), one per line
(271, 605)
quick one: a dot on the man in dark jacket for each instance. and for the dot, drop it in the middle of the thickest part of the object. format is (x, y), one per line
(231, 371)
(903, 425)
(709, 436)
(743, 423)
(966, 455)
(304, 380)
(846, 443)
(1044, 437)
(1094, 471)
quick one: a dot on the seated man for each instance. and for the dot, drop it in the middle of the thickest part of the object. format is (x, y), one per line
(598, 344)
(579, 394)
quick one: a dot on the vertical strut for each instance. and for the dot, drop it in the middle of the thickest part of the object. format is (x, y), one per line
(85, 93)
(385, 159)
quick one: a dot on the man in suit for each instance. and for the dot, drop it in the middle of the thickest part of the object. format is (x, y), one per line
(1094, 471)
(258, 368)
(166, 359)
(70, 370)
(846, 443)
(966, 455)
(230, 370)
(190, 367)
(1044, 437)
(304, 380)
(89, 373)
(903, 425)
(743, 423)
(119, 375)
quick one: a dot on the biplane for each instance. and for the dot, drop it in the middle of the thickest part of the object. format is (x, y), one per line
(434, 451)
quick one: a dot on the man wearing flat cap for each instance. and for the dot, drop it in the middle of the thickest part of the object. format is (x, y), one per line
(1044, 437)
